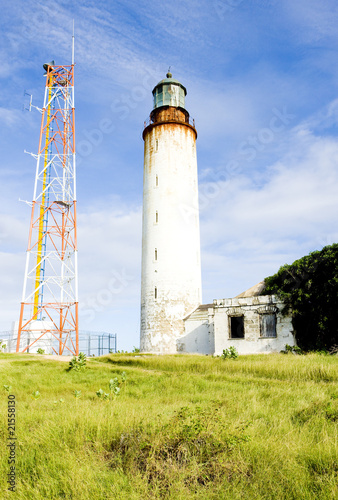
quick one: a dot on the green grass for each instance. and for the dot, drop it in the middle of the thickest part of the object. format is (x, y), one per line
(259, 427)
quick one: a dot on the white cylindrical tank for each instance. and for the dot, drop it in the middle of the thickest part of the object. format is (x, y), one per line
(171, 268)
(39, 331)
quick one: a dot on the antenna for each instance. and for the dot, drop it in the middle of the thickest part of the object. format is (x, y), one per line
(31, 105)
(50, 291)
(73, 44)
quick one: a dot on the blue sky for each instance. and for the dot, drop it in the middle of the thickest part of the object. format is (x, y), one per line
(262, 80)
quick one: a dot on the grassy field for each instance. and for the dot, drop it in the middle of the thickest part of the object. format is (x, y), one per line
(182, 427)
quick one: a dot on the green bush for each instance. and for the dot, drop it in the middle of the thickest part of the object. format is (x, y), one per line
(78, 363)
(230, 353)
(308, 288)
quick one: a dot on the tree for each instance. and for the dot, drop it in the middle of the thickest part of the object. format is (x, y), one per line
(309, 291)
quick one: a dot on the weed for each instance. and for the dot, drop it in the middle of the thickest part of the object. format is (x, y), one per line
(195, 441)
(114, 388)
(36, 394)
(230, 353)
(291, 349)
(61, 401)
(7, 388)
(78, 363)
(102, 395)
(77, 394)
(331, 412)
(40, 351)
(322, 410)
(2, 346)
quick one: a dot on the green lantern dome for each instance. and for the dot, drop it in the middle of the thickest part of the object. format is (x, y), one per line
(169, 92)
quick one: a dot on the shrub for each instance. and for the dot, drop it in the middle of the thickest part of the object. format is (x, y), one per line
(230, 353)
(309, 287)
(78, 363)
(196, 442)
(291, 349)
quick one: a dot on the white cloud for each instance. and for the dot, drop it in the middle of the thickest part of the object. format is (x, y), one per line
(9, 117)
(263, 227)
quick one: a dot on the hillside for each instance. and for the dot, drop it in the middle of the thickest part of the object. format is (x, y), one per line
(259, 427)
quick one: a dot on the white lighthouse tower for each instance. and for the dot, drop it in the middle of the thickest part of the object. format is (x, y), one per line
(171, 267)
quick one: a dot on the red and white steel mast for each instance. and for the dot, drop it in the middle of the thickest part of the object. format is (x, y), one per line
(49, 307)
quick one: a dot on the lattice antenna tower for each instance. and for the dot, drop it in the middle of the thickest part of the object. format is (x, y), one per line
(49, 307)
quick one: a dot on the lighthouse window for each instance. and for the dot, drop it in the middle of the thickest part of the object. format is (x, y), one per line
(156, 145)
(155, 292)
(156, 181)
(156, 216)
(155, 253)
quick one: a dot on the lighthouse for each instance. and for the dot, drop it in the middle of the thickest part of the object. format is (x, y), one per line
(171, 266)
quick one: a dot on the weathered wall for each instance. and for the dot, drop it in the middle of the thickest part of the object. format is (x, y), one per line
(197, 336)
(252, 343)
(170, 190)
(212, 329)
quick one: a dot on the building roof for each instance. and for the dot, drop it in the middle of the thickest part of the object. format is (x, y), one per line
(254, 291)
(199, 310)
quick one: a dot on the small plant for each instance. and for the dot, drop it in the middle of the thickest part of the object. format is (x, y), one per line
(78, 363)
(2, 346)
(77, 394)
(136, 349)
(114, 388)
(230, 353)
(61, 400)
(36, 394)
(40, 351)
(291, 349)
(7, 388)
(102, 395)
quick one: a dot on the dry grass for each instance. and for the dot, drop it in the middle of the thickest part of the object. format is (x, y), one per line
(260, 427)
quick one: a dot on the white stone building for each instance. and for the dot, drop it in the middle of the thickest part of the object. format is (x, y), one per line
(250, 322)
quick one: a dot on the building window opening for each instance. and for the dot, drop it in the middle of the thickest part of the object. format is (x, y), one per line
(156, 181)
(268, 325)
(155, 292)
(237, 327)
(156, 217)
(156, 145)
(155, 253)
